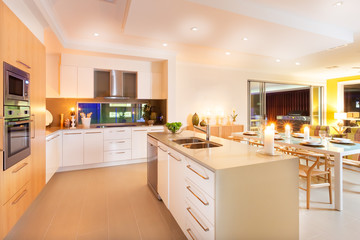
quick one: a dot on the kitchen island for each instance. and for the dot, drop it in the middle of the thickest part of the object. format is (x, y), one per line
(228, 192)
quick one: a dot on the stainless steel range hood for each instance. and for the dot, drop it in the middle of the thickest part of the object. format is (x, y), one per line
(115, 84)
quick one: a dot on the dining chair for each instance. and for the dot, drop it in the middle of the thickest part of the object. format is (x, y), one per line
(310, 172)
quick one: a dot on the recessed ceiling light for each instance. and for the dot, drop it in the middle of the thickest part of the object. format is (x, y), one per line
(227, 53)
(245, 39)
(165, 44)
(194, 29)
(277, 60)
(297, 63)
(338, 4)
(96, 34)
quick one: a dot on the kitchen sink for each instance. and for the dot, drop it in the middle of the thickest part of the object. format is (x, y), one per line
(201, 145)
(188, 140)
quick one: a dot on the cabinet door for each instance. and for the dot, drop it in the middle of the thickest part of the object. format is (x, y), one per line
(93, 146)
(144, 85)
(73, 148)
(139, 142)
(163, 173)
(176, 187)
(85, 82)
(53, 155)
(68, 81)
(156, 86)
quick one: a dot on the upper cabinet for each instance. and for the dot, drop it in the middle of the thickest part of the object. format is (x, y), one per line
(76, 82)
(149, 85)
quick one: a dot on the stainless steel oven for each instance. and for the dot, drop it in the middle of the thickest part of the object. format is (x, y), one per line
(16, 86)
(17, 134)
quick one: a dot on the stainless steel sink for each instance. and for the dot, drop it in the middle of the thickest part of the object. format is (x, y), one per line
(188, 140)
(201, 145)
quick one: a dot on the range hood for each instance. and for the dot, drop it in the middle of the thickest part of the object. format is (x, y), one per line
(115, 84)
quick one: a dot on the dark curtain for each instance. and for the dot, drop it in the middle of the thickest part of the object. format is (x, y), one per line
(280, 103)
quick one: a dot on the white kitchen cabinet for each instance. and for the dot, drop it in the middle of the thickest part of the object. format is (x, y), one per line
(156, 86)
(156, 128)
(73, 148)
(163, 173)
(85, 82)
(93, 146)
(117, 144)
(176, 186)
(139, 142)
(68, 81)
(144, 85)
(53, 154)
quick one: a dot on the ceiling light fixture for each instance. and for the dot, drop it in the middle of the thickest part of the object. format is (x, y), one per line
(297, 63)
(245, 39)
(228, 53)
(165, 44)
(194, 29)
(277, 60)
(337, 4)
(96, 34)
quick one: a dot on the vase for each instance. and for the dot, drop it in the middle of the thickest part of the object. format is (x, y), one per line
(195, 120)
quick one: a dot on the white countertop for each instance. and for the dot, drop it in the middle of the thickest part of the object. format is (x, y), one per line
(232, 154)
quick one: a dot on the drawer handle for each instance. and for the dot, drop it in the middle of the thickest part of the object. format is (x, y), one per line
(19, 197)
(205, 203)
(161, 149)
(18, 61)
(144, 130)
(71, 133)
(121, 131)
(177, 159)
(120, 152)
(191, 235)
(189, 167)
(53, 138)
(206, 229)
(120, 141)
(91, 132)
(19, 168)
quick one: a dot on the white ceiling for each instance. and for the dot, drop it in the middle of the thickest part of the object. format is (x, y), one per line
(315, 33)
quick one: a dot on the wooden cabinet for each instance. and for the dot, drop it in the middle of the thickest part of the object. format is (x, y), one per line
(53, 154)
(85, 82)
(73, 148)
(163, 173)
(176, 186)
(93, 146)
(139, 142)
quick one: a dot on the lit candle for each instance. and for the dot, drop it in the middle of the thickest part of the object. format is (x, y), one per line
(269, 140)
(72, 111)
(272, 126)
(306, 133)
(287, 131)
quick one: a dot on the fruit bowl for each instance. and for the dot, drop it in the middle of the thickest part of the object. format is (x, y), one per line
(174, 127)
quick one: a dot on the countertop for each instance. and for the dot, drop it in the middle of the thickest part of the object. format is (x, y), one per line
(51, 130)
(232, 154)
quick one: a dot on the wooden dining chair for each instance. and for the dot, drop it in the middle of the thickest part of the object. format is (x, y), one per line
(309, 172)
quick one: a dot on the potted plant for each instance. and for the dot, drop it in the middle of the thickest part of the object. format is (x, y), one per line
(147, 112)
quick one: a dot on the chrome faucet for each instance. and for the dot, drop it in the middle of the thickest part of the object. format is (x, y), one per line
(207, 131)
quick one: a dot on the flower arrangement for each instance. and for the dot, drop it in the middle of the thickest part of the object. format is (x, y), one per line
(234, 115)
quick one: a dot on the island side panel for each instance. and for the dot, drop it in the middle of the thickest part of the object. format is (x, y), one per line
(258, 201)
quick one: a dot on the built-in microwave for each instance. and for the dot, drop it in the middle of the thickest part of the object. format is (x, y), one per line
(16, 86)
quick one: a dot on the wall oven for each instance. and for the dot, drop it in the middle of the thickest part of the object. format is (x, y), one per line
(16, 86)
(17, 134)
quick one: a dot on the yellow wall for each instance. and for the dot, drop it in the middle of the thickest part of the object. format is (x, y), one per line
(331, 98)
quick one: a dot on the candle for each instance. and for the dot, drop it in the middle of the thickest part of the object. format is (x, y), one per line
(72, 111)
(306, 133)
(269, 140)
(287, 131)
(272, 126)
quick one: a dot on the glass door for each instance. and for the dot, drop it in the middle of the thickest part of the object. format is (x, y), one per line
(257, 105)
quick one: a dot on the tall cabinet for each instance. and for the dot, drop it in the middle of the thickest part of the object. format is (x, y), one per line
(20, 48)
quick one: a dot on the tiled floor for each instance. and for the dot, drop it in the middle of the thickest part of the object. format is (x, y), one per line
(104, 203)
(115, 203)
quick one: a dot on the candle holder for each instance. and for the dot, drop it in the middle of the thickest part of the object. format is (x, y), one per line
(73, 122)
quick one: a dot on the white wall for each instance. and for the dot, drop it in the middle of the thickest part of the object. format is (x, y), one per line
(203, 88)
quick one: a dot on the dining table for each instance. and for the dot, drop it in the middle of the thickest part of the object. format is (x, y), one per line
(327, 147)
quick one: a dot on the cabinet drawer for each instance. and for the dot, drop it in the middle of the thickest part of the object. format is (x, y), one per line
(191, 232)
(16, 206)
(117, 133)
(156, 129)
(15, 178)
(203, 177)
(120, 155)
(198, 222)
(201, 200)
(113, 145)
(175, 155)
